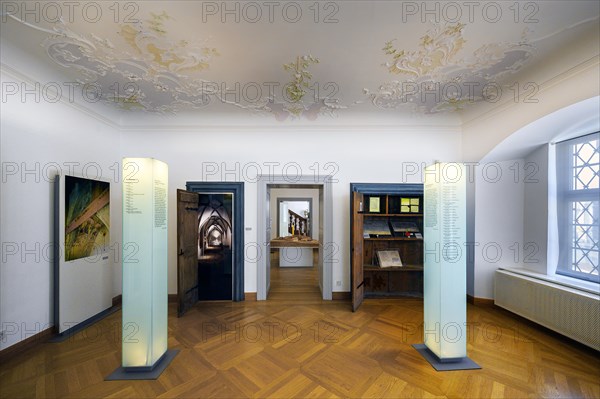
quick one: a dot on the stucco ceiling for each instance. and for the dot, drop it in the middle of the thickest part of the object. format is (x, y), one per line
(285, 62)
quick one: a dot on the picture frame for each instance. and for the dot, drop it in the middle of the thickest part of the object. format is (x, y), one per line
(414, 205)
(374, 204)
(82, 235)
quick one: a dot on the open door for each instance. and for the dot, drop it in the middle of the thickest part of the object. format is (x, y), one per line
(357, 276)
(268, 239)
(187, 250)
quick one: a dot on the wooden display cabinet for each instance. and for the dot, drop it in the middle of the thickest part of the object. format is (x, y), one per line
(386, 217)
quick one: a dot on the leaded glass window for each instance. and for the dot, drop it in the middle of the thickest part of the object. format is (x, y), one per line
(578, 162)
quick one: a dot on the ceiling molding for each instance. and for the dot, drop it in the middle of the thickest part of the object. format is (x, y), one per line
(566, 28)
(31, 82)
(350, 127)
(425, 129)
(548, 84)
(592, 62)
(159, 61)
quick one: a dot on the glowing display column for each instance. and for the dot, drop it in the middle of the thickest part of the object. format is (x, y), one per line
(145, 209)
(445, 267)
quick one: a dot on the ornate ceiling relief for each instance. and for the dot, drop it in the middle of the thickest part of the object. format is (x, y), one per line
(294, 104)
(151, 65)
(434, 78)
(300, 77)
(161, 53)
(149, 71)
(153, 75)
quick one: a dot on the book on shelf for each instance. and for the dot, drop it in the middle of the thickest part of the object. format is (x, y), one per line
(389, 259)
(376, 228)
(405, 229)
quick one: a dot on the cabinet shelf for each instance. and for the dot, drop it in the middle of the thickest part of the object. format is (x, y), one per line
(394, 218)
(392, 239)
(401, 215)
(405, 268)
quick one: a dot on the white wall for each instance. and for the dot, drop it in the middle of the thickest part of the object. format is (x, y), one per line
(295, 193)
(352, 155)
(535, 221)
(37, 139)
(567, 101)
(498, 222)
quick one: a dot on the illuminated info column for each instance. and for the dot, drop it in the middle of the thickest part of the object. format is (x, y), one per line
(145, 209)
(445, 268)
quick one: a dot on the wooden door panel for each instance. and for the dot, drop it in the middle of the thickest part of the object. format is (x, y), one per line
(187, 251)
(357, 277)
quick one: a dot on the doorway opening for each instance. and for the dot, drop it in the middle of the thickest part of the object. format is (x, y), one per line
(297, 262)
(293, 283)
(293, 266)
(210, 243)
(215, 246)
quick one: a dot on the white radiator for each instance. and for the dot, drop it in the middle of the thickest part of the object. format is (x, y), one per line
(565, 310)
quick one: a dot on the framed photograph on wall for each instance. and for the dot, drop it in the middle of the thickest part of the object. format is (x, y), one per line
(82, 262)
(86, 217)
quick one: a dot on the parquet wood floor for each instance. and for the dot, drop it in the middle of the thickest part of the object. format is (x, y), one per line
(286, 348)
(294, 284)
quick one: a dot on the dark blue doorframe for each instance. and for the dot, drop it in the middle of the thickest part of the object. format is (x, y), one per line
(237, 188)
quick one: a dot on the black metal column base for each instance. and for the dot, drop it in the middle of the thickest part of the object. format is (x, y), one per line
(127, 374)
(463, 363)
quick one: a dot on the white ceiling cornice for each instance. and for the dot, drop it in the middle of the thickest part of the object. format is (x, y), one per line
(31, 83)
(177, 69)
(490, 112)
(495, 110)
(367, 128)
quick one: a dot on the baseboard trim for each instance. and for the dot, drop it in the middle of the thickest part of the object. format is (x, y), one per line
(250, 296)
(172, 298)
(69, 333)
(118, 300)
(27, 344)
(51, 333)
(340, 296)
(479, 301)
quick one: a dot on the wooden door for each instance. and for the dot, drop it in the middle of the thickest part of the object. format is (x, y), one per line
(187, 251)
(356, 276)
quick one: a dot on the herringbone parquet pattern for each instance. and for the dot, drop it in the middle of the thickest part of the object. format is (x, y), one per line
(287, 349)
